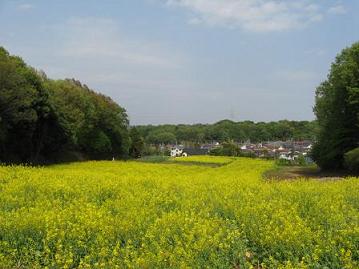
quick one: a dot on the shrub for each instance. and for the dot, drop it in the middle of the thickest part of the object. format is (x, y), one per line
(227, 149)
(352, 160)
(284, 162)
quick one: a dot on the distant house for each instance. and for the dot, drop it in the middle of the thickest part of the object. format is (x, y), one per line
(178, 152)
(309, 147)
(196, 151)
(209, 147)
(286, 156)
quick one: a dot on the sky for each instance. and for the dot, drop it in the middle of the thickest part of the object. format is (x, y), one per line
(187, 61)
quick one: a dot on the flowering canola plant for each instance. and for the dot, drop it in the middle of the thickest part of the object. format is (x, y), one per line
(205, 159)
(145, 215)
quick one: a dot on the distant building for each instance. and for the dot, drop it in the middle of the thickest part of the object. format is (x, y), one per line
(179, 151)
(286, 156)
(196, 151)
(176, 152)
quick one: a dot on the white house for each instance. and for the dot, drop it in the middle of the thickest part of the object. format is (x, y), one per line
(286, 156)
(309, 147)
(176, 152)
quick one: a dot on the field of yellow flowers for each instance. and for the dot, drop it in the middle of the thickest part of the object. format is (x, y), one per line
(170, 215)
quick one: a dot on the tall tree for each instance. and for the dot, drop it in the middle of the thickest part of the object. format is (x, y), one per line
(25, 111)
(137, 143)
(337, 110)
(42, 120)
(94, 123)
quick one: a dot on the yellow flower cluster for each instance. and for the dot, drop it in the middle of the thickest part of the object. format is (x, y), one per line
(160, 215)
(204, 159)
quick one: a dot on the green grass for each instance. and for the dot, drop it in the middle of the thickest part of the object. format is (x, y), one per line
(154, 159)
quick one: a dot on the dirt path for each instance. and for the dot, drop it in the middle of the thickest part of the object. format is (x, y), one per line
(295, 172)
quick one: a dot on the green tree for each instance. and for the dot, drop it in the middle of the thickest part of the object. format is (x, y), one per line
(28, 123)
(228, 148)
(337, 108)
(351, 160)
(137, 143)
(95, 124)
(161, 137)
(237, 131)
(40, 119)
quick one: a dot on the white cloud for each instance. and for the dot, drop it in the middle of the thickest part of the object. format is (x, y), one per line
(195, 21)
(101, 39)
(255, 15)
(25, 6)
(337, 10)
(100, 53)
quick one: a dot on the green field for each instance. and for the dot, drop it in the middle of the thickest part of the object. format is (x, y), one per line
(175, 214)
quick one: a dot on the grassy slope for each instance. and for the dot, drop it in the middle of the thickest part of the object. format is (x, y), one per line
(145, 215)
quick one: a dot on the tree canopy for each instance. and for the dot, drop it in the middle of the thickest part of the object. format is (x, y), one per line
(227, 130)
(337, 110)
(43, 119)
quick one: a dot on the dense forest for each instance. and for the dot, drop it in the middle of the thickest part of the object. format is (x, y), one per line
(226, 130)
(44, 120)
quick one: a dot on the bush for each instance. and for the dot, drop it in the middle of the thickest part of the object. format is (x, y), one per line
(284, 162)
(150, 150)
(300, 161)
(352, 160)
(248, 154)
(227, 149)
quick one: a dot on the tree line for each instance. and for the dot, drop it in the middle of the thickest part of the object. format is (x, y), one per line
(227, 130)
(44, 120)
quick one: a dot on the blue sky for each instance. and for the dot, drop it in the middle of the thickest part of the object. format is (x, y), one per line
(187, 61)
